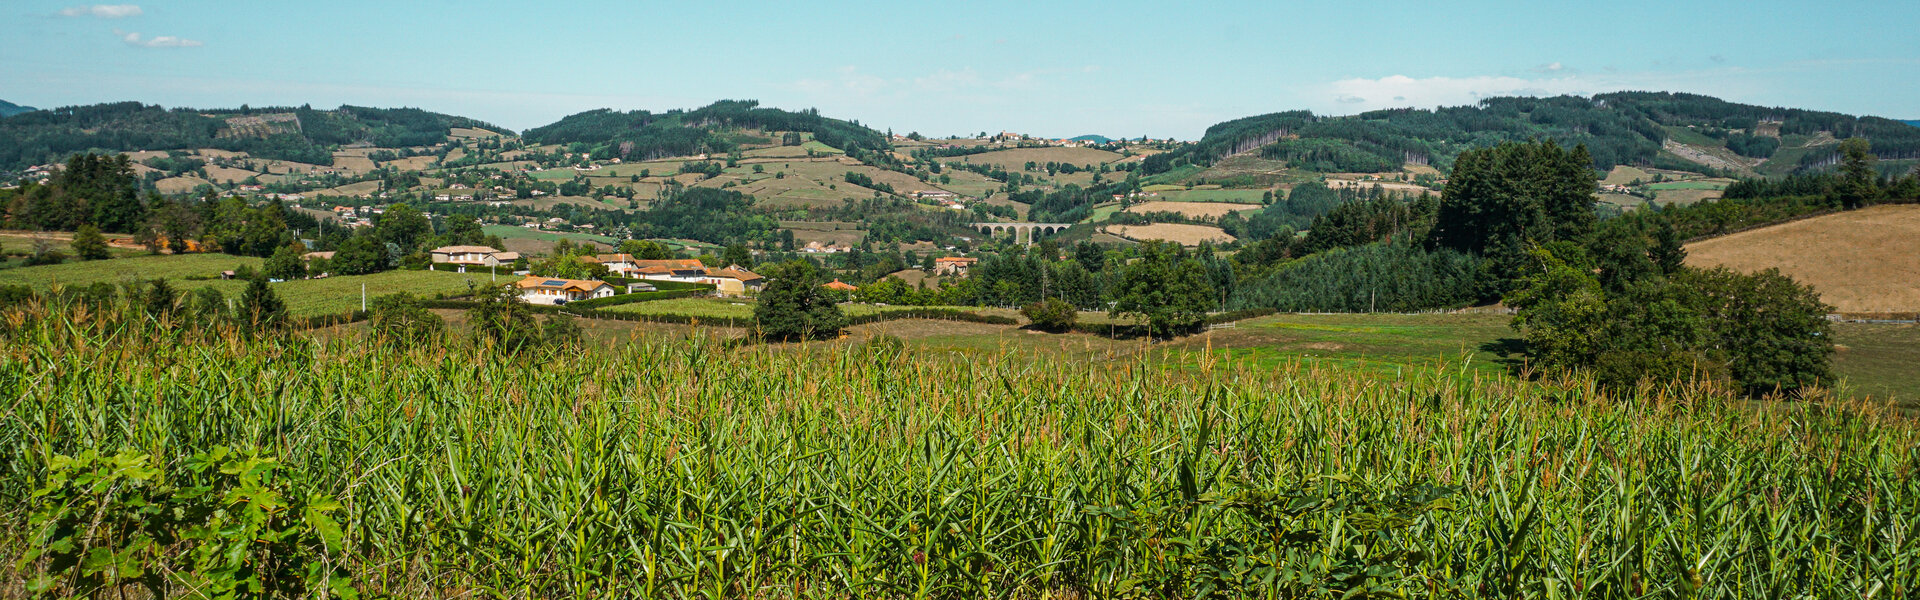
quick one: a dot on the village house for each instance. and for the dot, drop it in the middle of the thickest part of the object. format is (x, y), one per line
(953, 265)
(537, 290)
(838, 285)
(478, 256)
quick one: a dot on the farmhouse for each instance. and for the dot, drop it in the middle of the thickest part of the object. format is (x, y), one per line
(536, 290)
(734, 281)
(839, 285)
(953, 265)
(479, 256)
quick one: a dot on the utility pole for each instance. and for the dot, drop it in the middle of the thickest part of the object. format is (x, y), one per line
(363, 296)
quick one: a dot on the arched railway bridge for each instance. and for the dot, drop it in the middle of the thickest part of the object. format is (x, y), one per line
(1032, 231)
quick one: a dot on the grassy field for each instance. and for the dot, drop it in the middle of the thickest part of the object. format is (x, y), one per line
(1862, 261)
(671, 466)
(306, 297)
(1689, 185)
(511, 232)
(1192, 209)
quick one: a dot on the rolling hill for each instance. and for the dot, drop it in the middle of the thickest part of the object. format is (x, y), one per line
(8, 109)
(1666, 130)
(716, 128)
(1861, 261)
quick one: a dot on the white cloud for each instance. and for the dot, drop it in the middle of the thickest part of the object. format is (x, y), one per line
(158, 41)
(1401, 91)
(104, 11)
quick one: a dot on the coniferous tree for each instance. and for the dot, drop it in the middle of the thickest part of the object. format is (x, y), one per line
(261, 308)
(88, 244)
(1859, 182)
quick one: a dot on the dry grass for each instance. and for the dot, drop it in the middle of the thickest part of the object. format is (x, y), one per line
(228, 174)
(351, 161)
(1391, 186)
(1180, 233)
(1193, 209)
(1016, 158)
(412, 163)
(1862, 261)
(364, 189)
(179, 185)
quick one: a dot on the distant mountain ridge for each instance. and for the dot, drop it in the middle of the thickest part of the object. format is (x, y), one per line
(8, 109)
(1913, 122)
(1097, 139)
(1631, 128)
(300, 134)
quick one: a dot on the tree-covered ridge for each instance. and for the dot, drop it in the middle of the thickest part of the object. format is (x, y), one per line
(8, 109)
(300, 134)
(640, 134)
(1618, 128)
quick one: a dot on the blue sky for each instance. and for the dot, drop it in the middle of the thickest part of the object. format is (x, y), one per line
(1044, 68)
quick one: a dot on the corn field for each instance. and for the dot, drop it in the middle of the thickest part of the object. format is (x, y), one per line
(685, 468)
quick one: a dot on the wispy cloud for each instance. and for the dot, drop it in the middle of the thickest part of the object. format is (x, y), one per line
(104, 11)
(158, 41)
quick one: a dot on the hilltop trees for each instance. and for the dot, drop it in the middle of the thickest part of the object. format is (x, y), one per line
(1500, 200)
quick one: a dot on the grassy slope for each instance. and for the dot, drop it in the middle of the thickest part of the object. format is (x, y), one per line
(332, 295)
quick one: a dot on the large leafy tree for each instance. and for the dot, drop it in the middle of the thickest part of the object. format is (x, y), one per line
(1166, 288)
(793, 306)
(287, 263)
(405, 226)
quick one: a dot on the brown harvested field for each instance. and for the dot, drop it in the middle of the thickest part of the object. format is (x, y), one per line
(1684, 196)
(470, 132)
(1180, 233)
(1863, 261)
(412, 163)
(179, 185)
(1017, 158)
(1623, 175)
(1391, 186)
(364, 189)
(1193, 209)
(352, 161)
(228, 174)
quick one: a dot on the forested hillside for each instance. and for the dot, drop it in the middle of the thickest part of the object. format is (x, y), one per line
(8, 109)
(641, 135)
(1631, 128)
(297, 134)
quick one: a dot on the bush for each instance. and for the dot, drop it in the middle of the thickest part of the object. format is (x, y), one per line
(401, 319)
(1052, 314)
(793, 306)
(88, 244)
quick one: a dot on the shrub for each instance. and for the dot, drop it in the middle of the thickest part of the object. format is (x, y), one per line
(401, 319)
(1052, 314)
(88, 244)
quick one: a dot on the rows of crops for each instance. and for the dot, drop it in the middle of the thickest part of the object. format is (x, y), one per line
(682, 468)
